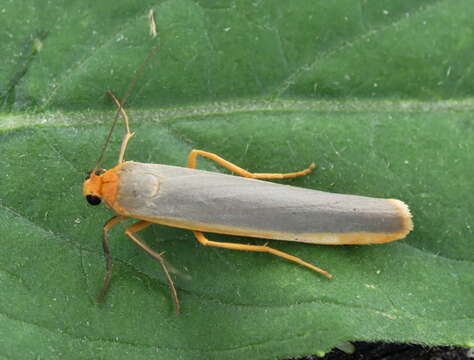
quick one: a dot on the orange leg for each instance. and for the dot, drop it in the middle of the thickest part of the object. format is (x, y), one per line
(242, 172)
(258, 248)
(108, 264)
(128, 134)
(130, 233)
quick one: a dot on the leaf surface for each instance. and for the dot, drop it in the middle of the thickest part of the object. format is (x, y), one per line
(376, 93)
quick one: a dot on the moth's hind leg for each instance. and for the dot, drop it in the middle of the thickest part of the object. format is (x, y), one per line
(242, 172)
(258, 248)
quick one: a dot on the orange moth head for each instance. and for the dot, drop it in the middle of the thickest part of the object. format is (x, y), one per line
(92, 187)
(101, 185)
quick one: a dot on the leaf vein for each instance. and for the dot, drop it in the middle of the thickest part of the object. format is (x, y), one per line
(292, 77)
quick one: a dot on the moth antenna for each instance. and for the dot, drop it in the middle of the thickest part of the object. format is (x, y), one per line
(131, 86)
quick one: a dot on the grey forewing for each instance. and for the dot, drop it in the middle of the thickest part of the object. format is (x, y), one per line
(153, 190)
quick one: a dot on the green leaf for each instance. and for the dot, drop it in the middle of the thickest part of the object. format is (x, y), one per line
(270, 87)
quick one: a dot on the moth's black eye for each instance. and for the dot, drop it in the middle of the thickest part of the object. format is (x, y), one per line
(93, 200)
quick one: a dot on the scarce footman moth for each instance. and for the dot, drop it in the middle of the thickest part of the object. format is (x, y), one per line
(243, 205)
